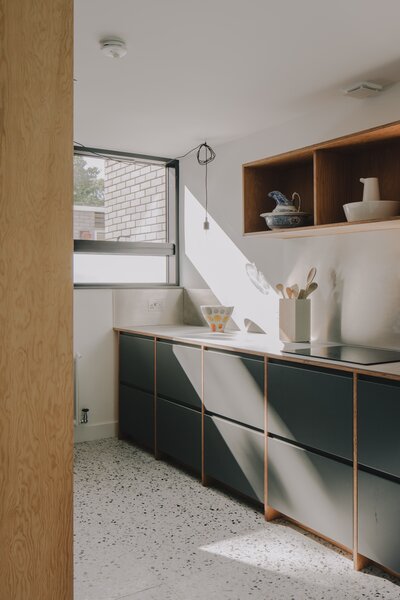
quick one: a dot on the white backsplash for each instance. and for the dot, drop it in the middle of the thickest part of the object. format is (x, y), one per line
(147, 306)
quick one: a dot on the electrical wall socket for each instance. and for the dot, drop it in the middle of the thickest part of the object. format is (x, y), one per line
(154, 305)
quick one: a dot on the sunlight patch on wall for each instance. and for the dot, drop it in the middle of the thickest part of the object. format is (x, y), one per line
(223, 266)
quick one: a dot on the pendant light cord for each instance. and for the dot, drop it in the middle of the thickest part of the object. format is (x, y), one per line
(209, 156)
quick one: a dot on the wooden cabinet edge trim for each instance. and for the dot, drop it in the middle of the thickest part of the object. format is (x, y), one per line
(266, 438)
(356, 560)
(271, 514)
(156, 453)
(355, 138)
(290, 359)
(360, 562)
(204, 479)
(317, 230)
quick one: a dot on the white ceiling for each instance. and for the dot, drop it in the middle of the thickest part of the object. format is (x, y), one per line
(221, 69)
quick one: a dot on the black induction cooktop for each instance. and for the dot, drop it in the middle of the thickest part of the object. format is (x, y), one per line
(361, 355)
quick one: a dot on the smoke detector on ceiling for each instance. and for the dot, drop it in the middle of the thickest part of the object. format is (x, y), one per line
(113, 47)
(364, 89)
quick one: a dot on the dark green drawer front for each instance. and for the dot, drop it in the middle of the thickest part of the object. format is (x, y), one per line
(234, 387)
(379, 426)
(136, 362)
(314, 490)
(379, 520)
(179, 433)
(179, 373)
(311, 407)
(234, 455)
(136, 415)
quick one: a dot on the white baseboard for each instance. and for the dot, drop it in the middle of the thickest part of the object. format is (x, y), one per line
(95, 431)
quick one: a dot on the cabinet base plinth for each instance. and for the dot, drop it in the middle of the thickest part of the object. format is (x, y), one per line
(205, 480)
(271, 514)
(360, 561)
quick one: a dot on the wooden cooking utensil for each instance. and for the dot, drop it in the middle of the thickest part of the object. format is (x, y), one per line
(311, 276)
(280, 289)
(310, 289)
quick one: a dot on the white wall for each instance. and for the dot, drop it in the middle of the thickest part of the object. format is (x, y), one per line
(96, 312)
(94, 339)
(359, 296)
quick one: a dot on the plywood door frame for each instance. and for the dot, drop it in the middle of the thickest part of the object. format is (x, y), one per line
(359, 561)
(156, 452)
(204, 478)
(36, 365)
(269, 513)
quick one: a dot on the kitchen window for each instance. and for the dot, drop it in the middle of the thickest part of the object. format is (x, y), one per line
(125, 219)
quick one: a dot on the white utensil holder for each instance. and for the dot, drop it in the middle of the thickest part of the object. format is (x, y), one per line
(294, 320)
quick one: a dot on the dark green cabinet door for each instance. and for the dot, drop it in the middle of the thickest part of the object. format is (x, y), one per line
(379, 425)
(311, 407)
(179, 373)
(234, 387)
(234, 455)
(136, 415)
(179, 433)
(379, 519)
(314, 490)
(136, 362)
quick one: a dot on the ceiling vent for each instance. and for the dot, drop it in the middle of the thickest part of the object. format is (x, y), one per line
(362, 90)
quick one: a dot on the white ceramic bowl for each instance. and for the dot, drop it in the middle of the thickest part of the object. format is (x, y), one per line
(216, 316)
(373, 209)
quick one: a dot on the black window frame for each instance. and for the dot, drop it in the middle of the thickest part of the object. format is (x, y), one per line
(169, 249)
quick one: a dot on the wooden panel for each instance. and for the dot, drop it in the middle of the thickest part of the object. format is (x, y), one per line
(312, 489)
(136, 416)
(234, 455)
(179, 373)
(378, 425)
(256, 185)
(287, 178)
(390, 131)
(179, 433)
(311, 406)
(331, 187)
(374, 160)
(36, 357)
(386, 132)
(332, 229)
(234, 387)
(136, 362)
(379, 520)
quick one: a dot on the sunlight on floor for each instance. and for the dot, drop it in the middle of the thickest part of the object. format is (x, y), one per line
(283, 552)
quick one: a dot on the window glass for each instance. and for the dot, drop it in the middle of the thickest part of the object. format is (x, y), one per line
(117, 200)
(119, 269)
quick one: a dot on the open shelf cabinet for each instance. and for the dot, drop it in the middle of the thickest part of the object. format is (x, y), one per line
(326, 176)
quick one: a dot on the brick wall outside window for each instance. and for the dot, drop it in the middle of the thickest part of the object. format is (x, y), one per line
(135, 202)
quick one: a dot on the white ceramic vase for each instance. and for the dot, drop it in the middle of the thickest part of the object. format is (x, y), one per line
(294, 320)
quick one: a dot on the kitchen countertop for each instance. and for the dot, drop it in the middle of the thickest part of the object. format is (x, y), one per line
(254, 343)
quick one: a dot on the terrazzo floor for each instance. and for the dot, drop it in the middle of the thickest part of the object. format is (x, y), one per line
(145, 530)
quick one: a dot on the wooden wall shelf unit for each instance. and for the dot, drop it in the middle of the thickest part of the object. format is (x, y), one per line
(326, 176)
